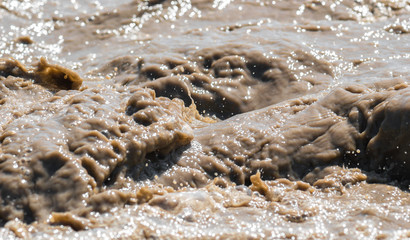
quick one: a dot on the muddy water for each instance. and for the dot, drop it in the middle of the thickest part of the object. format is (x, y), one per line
(204, 119)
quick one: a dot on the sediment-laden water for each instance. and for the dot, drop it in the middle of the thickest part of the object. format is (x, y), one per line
(200, 119)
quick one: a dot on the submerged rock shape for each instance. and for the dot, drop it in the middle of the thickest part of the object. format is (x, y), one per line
(67, 152)
(354, 126)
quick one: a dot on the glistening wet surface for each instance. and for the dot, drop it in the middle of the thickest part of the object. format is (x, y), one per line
(200, 119)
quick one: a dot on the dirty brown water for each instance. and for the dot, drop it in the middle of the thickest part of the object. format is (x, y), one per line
(200, 119)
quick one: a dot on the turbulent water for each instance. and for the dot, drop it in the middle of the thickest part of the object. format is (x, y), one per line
(200, 119)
